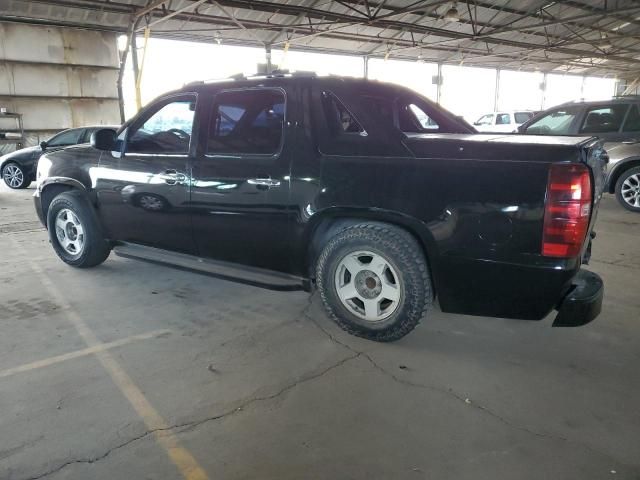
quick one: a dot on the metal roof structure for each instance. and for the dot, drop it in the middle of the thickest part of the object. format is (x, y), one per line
(577, 36)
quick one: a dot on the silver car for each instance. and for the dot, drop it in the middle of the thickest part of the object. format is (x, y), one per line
(617, 123)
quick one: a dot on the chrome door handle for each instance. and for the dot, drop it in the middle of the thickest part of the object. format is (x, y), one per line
(172, 177)
(265, 182)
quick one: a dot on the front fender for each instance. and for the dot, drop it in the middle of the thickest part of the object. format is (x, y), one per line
(49, 188)
(71, 182)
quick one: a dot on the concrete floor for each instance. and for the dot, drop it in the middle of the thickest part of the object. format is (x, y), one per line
(135, 371)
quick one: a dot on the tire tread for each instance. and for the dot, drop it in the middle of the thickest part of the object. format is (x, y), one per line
(402, 243)
(96, 249)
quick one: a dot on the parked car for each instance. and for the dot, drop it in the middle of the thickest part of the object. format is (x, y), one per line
(502, 122)
(18, 168)
(617, 123)
(289, 182)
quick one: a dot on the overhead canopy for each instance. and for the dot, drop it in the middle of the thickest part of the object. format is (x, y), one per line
(586, 37)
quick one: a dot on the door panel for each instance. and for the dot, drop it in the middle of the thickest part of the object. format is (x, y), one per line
(240, 184)
(144, 192)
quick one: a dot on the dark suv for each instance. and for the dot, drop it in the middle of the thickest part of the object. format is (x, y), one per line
(617, 123)
(366, 190)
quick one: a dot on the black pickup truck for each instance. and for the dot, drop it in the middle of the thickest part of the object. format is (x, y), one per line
(366, 191)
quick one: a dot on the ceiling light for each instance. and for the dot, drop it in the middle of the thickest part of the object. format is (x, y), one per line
(452, 14)
(605, 42)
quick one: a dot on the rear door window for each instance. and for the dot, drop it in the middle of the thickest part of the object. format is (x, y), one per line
(605, 119)
(556, 122)
(249, 122)
(503, 119)
(632, 123)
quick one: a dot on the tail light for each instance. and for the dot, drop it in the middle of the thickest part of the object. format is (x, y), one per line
(567, 210)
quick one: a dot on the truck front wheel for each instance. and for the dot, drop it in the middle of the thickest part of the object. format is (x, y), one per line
(374, 281)
(74, 231)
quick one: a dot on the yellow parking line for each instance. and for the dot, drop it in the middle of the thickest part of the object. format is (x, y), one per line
(181, 458)
(79, 353)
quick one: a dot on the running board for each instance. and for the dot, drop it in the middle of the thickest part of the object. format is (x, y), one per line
(257, 277)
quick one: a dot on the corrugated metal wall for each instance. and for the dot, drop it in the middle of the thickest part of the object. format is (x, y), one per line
(58, 78)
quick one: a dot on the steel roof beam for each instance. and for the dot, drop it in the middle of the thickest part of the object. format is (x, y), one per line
(259, 5)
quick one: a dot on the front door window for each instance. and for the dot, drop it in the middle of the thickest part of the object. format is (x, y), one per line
(166, 131)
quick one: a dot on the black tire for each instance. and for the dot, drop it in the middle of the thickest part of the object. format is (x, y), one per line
(403, 253)
(11, 167)
(632, 177)
(95, 249)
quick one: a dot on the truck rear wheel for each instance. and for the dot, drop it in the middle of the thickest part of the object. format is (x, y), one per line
(628, 189)
(74, 231)
(374, 281)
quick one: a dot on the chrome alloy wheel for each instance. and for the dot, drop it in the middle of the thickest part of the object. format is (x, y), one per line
(69, 232)
(13, 176)
(630, 190)
(368, 285)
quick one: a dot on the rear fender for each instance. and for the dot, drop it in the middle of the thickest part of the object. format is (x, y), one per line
(327, 223)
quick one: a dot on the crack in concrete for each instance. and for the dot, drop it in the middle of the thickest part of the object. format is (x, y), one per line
(187, 426)
(88, 460)
(465, 400)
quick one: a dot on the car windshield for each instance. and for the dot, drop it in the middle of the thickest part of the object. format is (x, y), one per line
(557, 122)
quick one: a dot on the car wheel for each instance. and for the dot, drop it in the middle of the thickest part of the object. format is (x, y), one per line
(74, 231)
(374, 281)
(628, 189)
(14, 176)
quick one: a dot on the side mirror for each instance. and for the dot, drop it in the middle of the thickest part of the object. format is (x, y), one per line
(43, 145)
(104, 139)
(476, 123)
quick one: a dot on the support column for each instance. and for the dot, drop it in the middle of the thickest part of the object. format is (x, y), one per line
(496, 98)
(366, 66)
(544, 91)
(136, 69)
(439, 85)
(267, 51)
(123, 63)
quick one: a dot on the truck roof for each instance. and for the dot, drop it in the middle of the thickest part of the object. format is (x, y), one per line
(278, 79)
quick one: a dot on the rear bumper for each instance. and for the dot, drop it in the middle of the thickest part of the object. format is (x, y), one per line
(583, 302)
